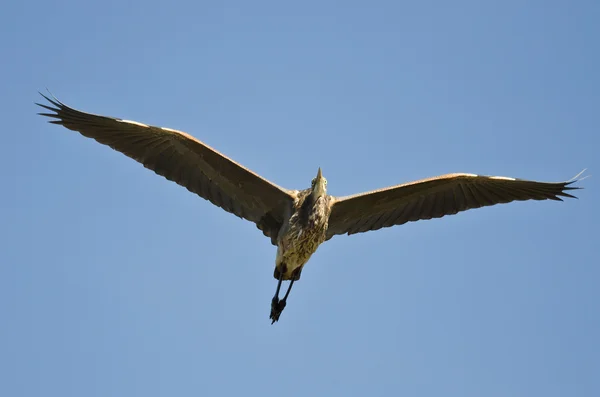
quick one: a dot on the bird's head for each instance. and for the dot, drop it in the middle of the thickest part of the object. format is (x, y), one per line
(319, 185)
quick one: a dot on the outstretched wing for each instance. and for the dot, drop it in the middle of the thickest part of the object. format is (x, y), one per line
(185, 160)
(434, 198)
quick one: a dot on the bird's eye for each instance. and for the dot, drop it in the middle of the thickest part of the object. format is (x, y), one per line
(313, 181)
(325, 180)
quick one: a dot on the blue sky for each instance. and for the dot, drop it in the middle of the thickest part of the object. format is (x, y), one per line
(116, 282)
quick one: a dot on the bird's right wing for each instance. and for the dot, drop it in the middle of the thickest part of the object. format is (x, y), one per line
(185, 160)
(434, 198)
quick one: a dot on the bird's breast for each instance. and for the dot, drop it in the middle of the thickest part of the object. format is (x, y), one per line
(303, 235)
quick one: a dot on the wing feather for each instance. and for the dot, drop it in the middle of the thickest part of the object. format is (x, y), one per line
(181, 158)
(434, 198)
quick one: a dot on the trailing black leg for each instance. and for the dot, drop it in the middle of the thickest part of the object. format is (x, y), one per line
(276, 297)
(276, 307)
(288, 290)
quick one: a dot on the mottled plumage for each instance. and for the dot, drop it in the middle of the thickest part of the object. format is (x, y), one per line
(300, 237)
(297, 222)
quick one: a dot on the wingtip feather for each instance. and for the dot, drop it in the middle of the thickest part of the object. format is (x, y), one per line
(47, 107)
(563, 194)
(578, 177)
(48, 114)
(53, 101)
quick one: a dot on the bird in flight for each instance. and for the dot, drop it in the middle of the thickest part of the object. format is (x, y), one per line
(296, 221)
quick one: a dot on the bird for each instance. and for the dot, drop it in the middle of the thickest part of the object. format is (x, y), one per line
(297, 222)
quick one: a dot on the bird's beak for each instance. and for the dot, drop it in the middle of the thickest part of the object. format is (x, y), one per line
(318, 188)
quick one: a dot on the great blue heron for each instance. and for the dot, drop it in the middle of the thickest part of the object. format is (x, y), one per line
(296, 221)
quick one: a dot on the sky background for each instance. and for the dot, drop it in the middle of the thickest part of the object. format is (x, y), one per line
(116, 282)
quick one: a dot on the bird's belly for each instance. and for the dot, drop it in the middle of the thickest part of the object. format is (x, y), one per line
(296, 249)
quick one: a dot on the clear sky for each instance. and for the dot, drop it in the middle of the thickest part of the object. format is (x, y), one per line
(116, 282)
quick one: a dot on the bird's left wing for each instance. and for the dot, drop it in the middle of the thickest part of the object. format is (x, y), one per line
(434, 198)
(185, 160)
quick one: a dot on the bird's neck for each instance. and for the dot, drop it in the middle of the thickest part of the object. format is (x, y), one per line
(311, 205)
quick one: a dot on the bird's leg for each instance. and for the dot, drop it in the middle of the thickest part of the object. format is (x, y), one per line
(275, 299)
(278, 305)
(288, 290)
(275, 306)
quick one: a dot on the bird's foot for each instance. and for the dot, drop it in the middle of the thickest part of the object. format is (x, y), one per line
(277, 307)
